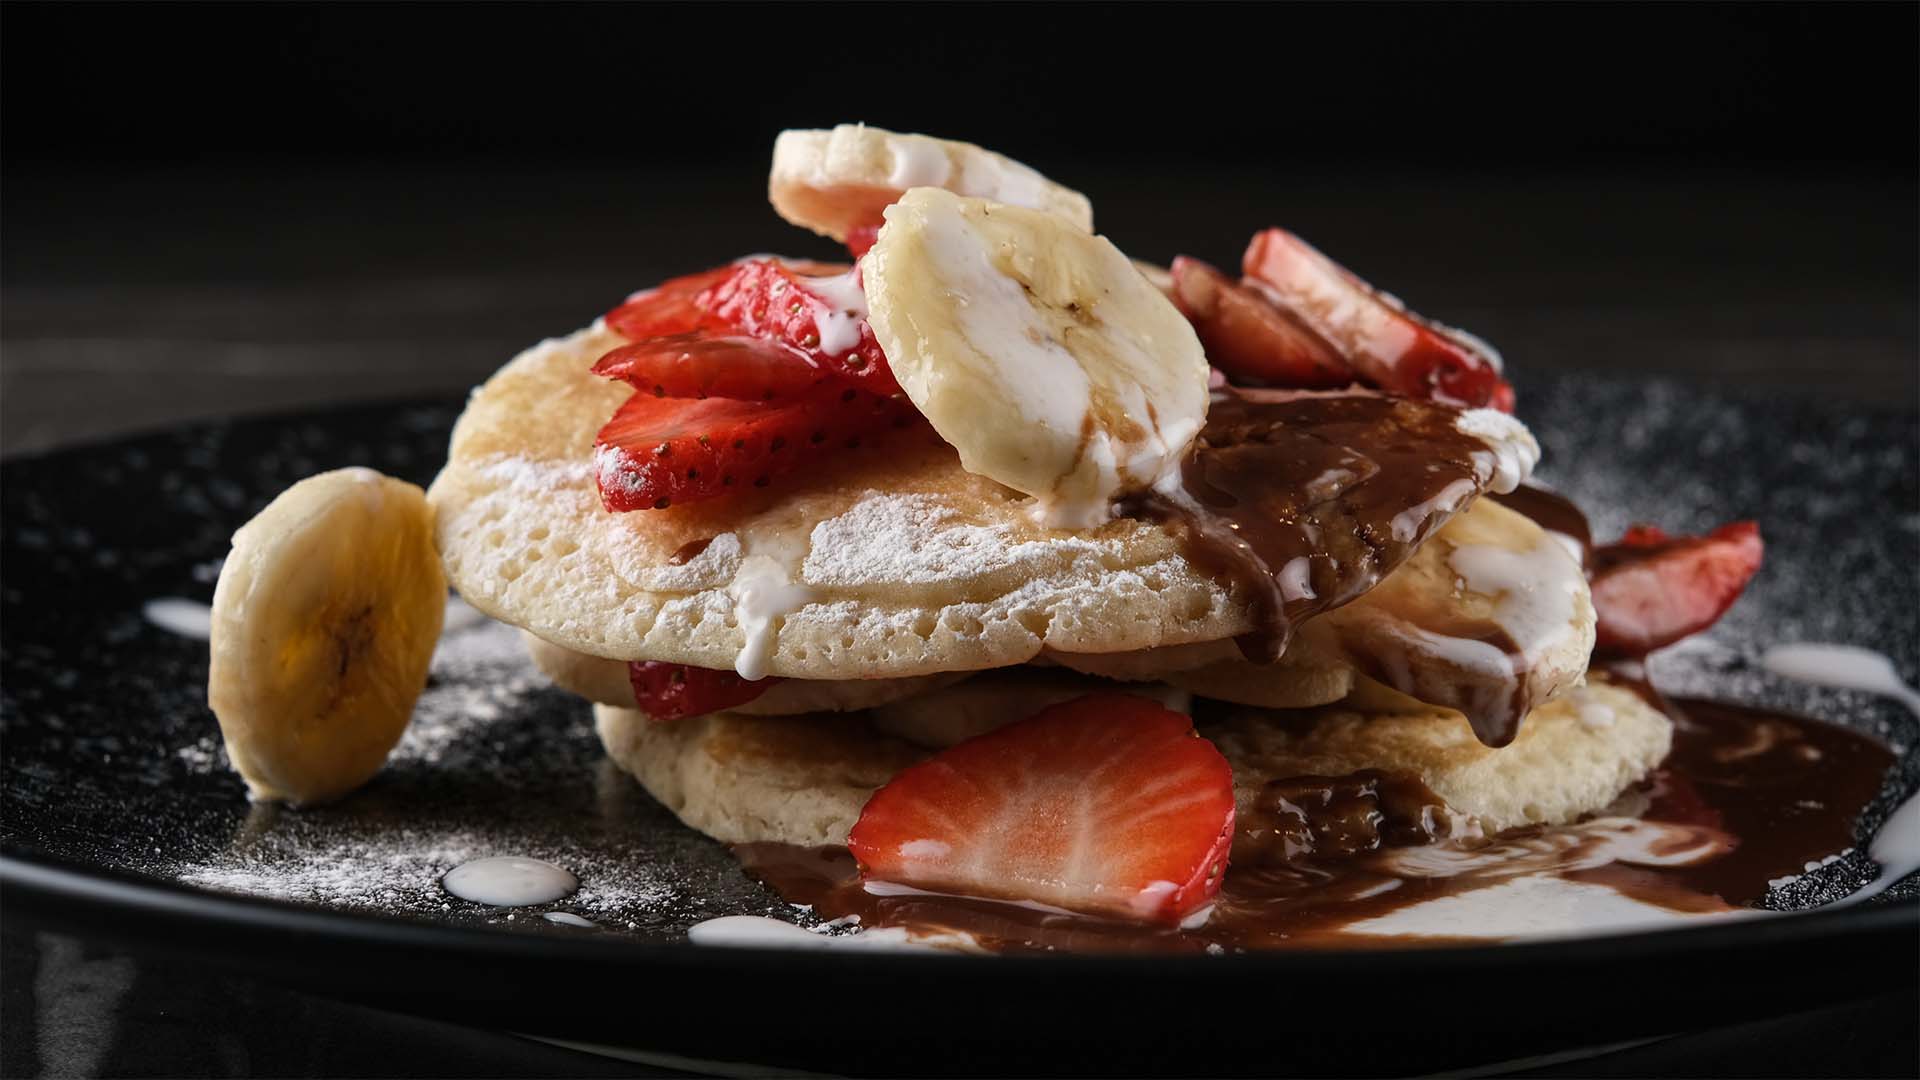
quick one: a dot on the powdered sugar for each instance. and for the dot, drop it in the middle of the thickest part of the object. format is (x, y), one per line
(399, 870)
(480, 672)
(387, 847)
(893, 540)
(207, 755)
(524, 474)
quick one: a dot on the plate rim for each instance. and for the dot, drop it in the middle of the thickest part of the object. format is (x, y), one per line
(57, 891)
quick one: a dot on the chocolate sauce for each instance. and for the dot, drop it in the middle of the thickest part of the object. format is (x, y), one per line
(1746, 797)
(1555, 513)
(1298, 816)
(1304, 502)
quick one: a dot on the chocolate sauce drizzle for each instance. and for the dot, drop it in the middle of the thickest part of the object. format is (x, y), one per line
(1349, 483)
(1747, 796)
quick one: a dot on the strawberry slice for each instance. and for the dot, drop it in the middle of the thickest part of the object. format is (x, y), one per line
(861, 240)
(825, 318)
(1388, 345)
(698, 365)
(1650, 589)
(1107, 804)
(1249, 337)
(677, 691)
(657, 451)
(672, 307)
(667, 308)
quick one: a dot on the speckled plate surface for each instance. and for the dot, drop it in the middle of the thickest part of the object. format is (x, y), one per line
(120, 815)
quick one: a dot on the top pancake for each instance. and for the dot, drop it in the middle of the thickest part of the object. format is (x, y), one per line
(914, 565)
(910, 565)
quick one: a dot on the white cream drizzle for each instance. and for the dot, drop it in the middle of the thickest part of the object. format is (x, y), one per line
(509, 881)
(839, 310)
(1530, 908)
(1896, 848)
(764, 592)
(1406, 524)
(758, 931)
(1512, 449)
(917, 162)
(1847, 667)
(1296, 579)
(188, 618)
(1536, 590)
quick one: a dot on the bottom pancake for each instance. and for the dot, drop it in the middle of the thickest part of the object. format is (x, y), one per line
(803, 780)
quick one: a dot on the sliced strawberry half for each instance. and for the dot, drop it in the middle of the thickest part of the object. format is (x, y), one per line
(677, 691)
(658, 451)
(1107, 805)
(1651, 589)
(667, 308)
(698, 364)
(1388, 345)
(1247, 336)
(672, 306)
(825, 318)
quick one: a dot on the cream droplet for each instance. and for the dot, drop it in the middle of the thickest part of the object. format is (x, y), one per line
(509, 881)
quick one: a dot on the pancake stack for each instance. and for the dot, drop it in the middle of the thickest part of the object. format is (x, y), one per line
(1060, 514)
(925, 604)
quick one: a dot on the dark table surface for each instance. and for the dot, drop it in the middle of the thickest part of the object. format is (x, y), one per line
(135, 301)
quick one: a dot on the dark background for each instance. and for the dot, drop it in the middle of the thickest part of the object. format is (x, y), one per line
(1483, 86)
(210, 209)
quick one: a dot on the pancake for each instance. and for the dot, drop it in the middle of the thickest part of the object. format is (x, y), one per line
(913, 566)
(745, 779)
(1573, 756)
(804, 780)
(908, 564)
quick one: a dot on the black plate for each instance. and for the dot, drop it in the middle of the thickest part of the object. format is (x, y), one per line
(121, 820)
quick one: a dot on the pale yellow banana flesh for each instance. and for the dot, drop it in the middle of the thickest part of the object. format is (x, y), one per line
(836, 181)
(325, 620)
(1039, 352)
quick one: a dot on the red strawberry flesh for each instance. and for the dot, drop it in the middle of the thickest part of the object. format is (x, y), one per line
(1106, 805)
(1650, 589)
(1388, 345)
(1247, 336)
(672, 307)
(668, 308)
(657, 451)
(824, 318)
(698, 365)
(676, 691)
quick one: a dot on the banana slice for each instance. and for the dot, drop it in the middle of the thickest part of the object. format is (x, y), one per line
(324, 622)
(834, 182)
(1038, 351)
